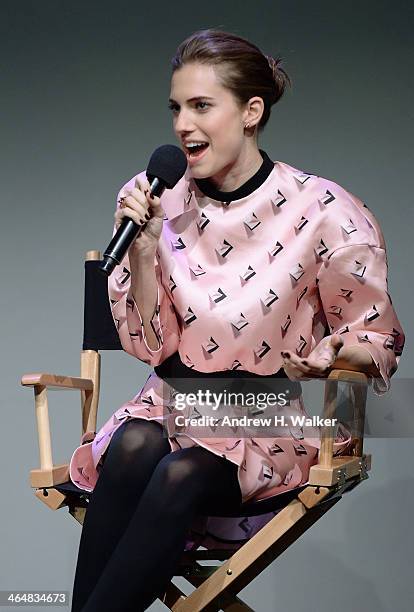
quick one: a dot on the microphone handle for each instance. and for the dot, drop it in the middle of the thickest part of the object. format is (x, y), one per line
(127, 232)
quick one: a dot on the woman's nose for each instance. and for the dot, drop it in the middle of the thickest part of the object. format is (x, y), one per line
(183, 122)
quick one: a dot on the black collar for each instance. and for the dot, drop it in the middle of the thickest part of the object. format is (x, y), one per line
(244, 190)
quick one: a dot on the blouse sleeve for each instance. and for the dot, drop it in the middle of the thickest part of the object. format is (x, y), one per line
(128, 320)
(353, 289)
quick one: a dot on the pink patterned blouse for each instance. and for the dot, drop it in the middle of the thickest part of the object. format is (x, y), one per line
(291, 258)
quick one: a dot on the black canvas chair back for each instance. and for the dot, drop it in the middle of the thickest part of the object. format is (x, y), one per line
(99, 331)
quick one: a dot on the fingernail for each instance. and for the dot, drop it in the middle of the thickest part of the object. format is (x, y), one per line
(305, 362)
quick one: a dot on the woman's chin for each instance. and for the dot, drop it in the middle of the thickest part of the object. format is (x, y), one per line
(199, 173)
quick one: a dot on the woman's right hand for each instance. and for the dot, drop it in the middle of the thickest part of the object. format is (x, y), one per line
(138, 205)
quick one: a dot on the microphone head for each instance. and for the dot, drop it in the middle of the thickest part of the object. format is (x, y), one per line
(167, 163)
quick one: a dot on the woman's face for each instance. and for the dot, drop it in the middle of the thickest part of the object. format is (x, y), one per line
(204, 111)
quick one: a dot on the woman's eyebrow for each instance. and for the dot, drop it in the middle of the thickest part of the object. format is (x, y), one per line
(193, 99)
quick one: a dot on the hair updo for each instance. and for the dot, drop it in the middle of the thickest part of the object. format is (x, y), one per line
(241, 66)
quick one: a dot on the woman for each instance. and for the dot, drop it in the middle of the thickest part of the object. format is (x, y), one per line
(239, 272)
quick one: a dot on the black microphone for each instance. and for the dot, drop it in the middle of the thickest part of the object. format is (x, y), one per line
(166, 167)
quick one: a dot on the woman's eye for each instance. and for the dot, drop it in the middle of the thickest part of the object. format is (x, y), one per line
(200, 105)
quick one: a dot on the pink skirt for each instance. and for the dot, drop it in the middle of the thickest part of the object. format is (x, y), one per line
(266, 465)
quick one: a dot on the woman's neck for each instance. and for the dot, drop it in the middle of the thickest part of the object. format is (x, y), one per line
(231, 178)
(245, 189)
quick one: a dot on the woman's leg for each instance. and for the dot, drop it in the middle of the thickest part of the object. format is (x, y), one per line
(185, 483)
(133, 453)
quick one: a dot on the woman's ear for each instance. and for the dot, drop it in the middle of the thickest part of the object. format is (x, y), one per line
(254, 111)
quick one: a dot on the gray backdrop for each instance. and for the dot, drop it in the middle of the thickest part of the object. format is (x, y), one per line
(84, 97)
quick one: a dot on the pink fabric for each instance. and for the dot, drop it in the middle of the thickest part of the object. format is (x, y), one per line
(237, 284)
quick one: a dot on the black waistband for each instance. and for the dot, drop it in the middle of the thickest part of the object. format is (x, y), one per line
(189, 380)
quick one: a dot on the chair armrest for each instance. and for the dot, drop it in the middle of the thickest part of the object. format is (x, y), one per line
(349, 375)
(357, 392)
(43, 379)
(49, 474)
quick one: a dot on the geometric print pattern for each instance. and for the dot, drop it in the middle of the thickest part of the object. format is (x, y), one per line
(238, 282)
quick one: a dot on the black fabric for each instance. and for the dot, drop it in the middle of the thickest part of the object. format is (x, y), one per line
(123, 478)
(188, 380)
(207, 187)
(78, 497)
(99, 331)
(168, 163)
(144, 501)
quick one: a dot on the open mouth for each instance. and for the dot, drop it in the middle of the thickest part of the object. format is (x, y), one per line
(195, 151)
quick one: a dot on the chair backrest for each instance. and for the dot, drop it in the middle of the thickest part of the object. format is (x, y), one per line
(99, 331)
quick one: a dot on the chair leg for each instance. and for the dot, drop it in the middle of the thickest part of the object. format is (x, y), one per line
(254, 556)
(227, 602)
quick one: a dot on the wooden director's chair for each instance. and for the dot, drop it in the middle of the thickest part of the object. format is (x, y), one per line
(297, 509)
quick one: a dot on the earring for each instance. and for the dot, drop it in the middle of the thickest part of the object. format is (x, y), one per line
(247, 126)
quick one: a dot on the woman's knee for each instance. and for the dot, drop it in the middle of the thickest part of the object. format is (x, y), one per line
(174, 486)
(185, 478)
(136, 441)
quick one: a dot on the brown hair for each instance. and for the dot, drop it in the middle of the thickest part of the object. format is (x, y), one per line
(241, 66)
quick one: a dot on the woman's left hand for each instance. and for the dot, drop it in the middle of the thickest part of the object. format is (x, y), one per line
(317, 363)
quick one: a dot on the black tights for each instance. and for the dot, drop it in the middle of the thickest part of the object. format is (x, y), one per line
(138, 516)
